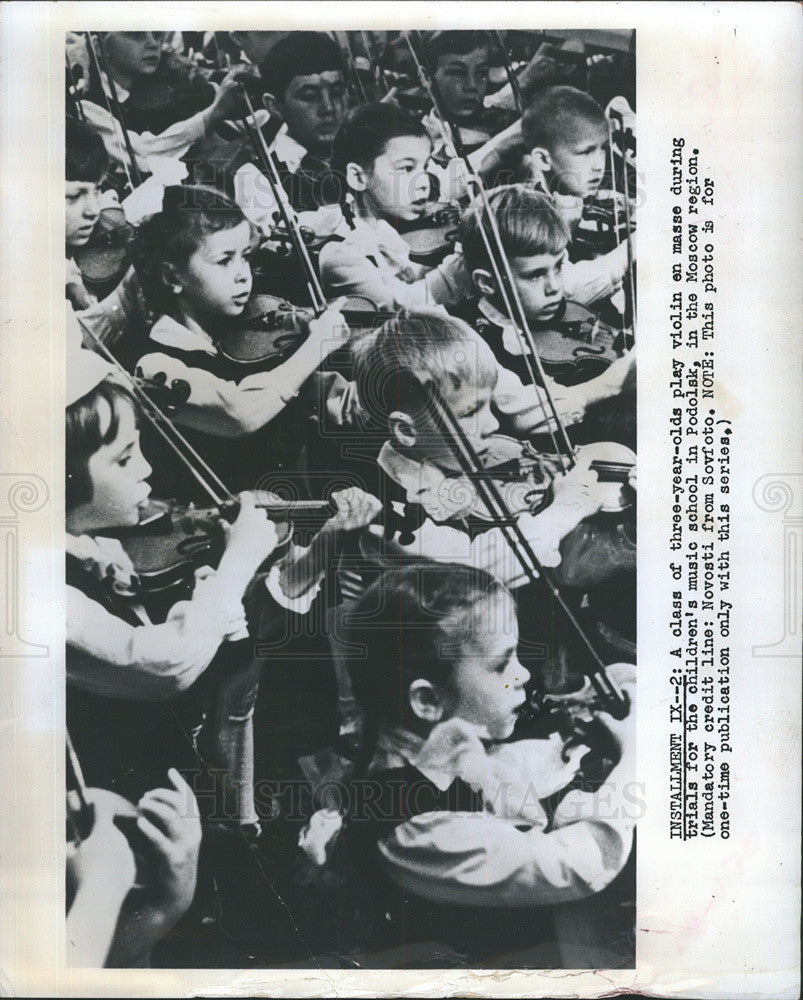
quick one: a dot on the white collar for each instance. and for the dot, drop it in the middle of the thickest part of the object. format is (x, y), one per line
(171, 333)
(122, 93)
(105, 558)
(444, 498)
(288, 150)
(452, 750)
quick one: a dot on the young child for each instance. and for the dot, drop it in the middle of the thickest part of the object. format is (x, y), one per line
(117, 318)
(122, 670)
(467, 868)
(167, 103)
(381, 155)
(304, 83)
(566, 132)
(535, 239)
(444, 350)
(193, 260)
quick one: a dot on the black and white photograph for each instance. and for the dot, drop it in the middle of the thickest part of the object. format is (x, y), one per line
(350, 498)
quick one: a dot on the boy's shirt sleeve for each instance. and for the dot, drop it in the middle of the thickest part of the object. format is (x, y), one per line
(385, 275)
(478, 859)
(525, 407)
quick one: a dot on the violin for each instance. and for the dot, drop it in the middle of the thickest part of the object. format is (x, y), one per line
(523, 477)
(603, 225)
(576, 345)
(431, 236)
(171, 541)
(271, 329)
(104, 259)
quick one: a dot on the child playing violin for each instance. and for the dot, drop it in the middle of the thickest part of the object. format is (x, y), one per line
(193, 260)
(452, 853)
(167, 103)
(567, 134)
(441, 349)
(116, 318)
(123, 671)
(304, 84)
(380, 156)
(535, 239)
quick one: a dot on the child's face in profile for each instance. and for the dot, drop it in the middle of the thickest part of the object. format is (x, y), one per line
(577, 165)
(486, 687)
(134, 53)
(540, 284)
(313, 108)
(471, 407)
(397, 184)
(463, 81)
(216, 280)
(81, 211)
(118, 473)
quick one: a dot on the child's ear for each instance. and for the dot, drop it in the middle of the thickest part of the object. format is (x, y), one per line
(426, 702)
(402, 429)
(170, 277)
(541, 158)
(355, 177)
(483, 281)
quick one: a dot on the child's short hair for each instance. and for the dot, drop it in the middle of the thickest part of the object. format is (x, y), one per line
(86, 158)
(428, 343)
(447, 43)
(528, 224)
(554, 116)
(437, 605)
(189, 213)
(301, 53)
(366, 131)
(84, 437)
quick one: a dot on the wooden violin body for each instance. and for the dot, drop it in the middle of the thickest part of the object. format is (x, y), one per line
(432, 236)
(271, 329)
(576, 345)
(171, 542)
(104, 259)
(602, 226)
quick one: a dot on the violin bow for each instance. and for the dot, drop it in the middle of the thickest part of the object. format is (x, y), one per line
(98, 57)
(456, 439)
(512, 79)
(500, 263)
(614, 116)
(355, 81)
(82, 821)
(271, 172)
(205, 476)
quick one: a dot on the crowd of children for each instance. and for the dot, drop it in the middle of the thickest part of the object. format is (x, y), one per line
(350, 494)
